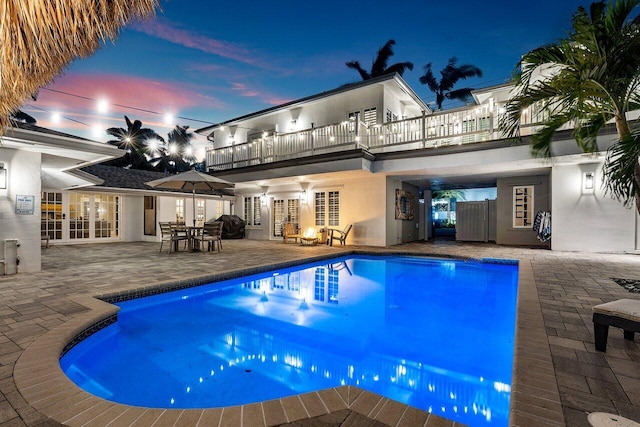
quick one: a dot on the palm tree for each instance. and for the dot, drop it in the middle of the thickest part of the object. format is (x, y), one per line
(135, 140)
(592, 77)
(450, 75)
(180, 148)
(379, 66)
(448, 194)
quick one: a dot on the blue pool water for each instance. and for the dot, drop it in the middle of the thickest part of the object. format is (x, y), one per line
(437, 335)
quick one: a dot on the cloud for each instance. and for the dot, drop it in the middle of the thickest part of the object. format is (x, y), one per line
(276, 100)
(265, 97)
(242, 89)
(82, 91)
(165, 31)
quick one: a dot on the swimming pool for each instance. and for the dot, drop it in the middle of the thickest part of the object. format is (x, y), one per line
(435, 334)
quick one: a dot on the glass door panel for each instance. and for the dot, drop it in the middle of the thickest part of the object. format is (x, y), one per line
(51, 215)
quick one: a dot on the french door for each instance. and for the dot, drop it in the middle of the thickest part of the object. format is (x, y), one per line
(285, 210)
(68, 217)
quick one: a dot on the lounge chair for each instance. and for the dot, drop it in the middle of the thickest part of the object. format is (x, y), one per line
(289, 232)
(339, 235)
(622, 313)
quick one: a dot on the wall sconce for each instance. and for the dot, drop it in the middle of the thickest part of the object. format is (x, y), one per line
(589, 178)
(303, 197)
(3, 176)
(263, 199)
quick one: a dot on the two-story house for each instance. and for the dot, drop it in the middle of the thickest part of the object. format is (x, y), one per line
(371, 153)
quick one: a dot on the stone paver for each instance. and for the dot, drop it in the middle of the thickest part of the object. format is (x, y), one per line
(558, 375)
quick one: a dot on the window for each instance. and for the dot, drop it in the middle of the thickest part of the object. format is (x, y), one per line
(293, 211)
(219, 209)
(523, 206)
(200, 211)
(370, 116)
(252, 210)
(353, 118)
(107, 212)
(321, 208)
(334, 208)
(93, 216)
(327, 208)
(278, 217)
(79, 216)
(180, 210)
(257, 210)
(390, 117)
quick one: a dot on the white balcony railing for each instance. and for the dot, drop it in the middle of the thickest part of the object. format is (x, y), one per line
(463, 126)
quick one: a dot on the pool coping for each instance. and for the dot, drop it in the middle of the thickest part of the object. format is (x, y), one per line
(46, 388)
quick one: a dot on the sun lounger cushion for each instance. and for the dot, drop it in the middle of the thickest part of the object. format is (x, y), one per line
(622, 313)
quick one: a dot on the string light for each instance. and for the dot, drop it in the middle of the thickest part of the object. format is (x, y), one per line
(128, 107)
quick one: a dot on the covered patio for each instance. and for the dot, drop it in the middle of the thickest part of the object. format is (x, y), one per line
(558, 375)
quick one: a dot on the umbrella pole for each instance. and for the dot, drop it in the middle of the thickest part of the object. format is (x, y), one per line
(194, 205)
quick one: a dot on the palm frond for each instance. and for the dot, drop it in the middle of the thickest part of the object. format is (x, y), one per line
(429, 79)
(586, 132)
(399, 68)
(542, 139)
(356, 66)
(620, 169)
(382, 58)
(462, 94)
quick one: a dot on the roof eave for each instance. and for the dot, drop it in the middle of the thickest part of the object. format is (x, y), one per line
(206, 131)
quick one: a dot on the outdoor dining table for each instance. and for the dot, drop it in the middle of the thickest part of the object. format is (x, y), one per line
(193, 231)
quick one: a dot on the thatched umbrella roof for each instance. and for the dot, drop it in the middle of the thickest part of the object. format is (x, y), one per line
(38, 38)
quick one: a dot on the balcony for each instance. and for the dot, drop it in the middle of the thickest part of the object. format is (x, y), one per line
(456, 127)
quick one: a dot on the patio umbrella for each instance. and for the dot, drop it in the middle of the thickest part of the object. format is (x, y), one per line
(40, 38)
(191, 180)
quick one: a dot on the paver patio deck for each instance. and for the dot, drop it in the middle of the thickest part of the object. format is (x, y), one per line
(558, 376)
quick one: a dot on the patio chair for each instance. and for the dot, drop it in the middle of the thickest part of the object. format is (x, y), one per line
(211, 234)
(339, 235)
(289, 232)
(172, 235)
(44, 237)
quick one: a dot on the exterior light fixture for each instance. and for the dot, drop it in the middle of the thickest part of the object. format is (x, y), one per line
(589, 178)
(3, 176)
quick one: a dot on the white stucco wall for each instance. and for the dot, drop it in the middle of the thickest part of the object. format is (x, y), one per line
(588, 220)
(363, 200)
(133, 219)
(23, 178)
(362, 203)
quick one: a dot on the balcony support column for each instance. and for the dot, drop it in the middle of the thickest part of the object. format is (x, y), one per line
(424, 129)
(313, 142)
